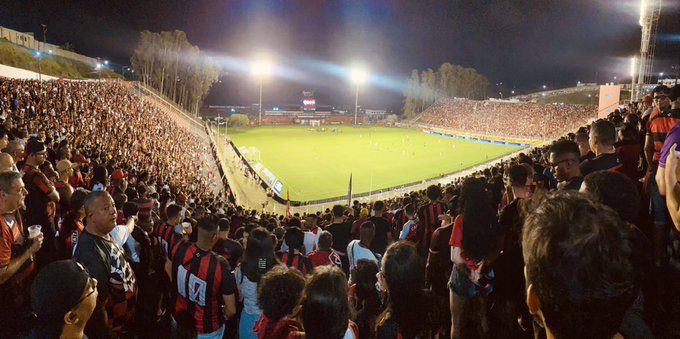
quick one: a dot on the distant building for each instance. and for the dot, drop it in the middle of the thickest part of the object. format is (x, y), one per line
(668, 82)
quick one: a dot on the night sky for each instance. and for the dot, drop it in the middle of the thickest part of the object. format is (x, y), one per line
(522, 43)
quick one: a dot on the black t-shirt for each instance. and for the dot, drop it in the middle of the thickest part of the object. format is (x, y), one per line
(589, 156)
(382, 227)
(341, 235)
(230, 250)
(603, 162)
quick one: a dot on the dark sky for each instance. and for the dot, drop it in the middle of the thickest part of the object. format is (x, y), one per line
(521, 43)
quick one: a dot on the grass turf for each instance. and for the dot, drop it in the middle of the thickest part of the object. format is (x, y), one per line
(316, 165)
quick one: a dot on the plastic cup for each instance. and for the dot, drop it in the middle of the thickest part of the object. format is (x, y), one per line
(186, 225)
(34, 231)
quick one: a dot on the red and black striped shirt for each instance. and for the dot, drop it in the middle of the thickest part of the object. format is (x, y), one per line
(428, 221)
(659, 126)
(298, 262)
(167, 237)
(201, 279)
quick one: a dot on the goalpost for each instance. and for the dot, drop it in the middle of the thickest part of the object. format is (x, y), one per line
(314, 123)
(252, 154)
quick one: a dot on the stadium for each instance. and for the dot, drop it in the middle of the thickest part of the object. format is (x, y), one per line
(333, 170)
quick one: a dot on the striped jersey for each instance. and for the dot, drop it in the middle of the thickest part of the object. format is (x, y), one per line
(201, 279)
(428, 219)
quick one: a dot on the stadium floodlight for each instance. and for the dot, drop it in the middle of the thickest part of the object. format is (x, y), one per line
(513, 92)
(358, 77)
(660, 74)
(50, 51)
(544, 86)
(106, 62)
(643, 11)
(98, 66)
(633, 66)
(260, 69)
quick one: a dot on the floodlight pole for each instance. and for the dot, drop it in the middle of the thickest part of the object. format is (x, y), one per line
(259, 122)
(356, 105)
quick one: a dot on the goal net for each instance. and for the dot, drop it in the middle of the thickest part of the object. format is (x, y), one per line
(252, 154)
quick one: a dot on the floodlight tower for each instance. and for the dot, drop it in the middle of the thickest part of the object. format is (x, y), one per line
(260, 70)
(649, 20)
(358, 77)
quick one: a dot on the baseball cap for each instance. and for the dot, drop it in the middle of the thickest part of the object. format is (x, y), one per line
(35, 146)
(118, 174)
(57, 289)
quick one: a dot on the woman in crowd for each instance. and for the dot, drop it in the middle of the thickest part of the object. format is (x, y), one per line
(474, 246)
(324, 308)
(411, 310)
(258, 259)
(295, 258)
(72, 224)
(278, 294)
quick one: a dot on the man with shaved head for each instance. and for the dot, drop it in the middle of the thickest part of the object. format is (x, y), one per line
(105, 260)
(7, 163)
(15, 149)
(65, 172)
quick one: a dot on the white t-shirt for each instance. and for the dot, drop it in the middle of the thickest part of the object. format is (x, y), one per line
(356, 252)
(312, 240)
(121, 236)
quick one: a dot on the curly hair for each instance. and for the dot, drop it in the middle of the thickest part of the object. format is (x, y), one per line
(279, 292)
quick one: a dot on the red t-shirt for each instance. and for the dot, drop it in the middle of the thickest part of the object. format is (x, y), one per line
(321, 258)
(10, 237)
(457, 241)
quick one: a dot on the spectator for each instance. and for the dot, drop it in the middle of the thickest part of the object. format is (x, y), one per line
(258, 260)
(40, 201)
(167, 231)
(409, 229)
(602, 139)
(564, 155)
(278, 294)
(312, 231)
(439, 266)
(411, 310)
(324, 308)
(578, 269)
(64, 189)
(356, 225)
(205, 297)
(360, 249)
(325, 255)
(16, 253)
(16, 150)
(72, 225)
(583, 141)
(383, 228)
(294, 257)
(628, 149)
(106, 262)
(428, 219)
(364, 298)
(340, 229)
(63, 296)
(228, 248)
(7, 163)
(472, 277)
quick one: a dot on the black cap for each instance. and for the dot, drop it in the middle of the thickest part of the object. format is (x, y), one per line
(35, 146)
(57, 289)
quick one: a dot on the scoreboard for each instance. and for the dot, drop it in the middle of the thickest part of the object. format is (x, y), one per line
(308, 101)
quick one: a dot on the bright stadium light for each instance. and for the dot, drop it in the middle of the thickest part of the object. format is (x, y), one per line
(544, 86)
(660, 74)
(98, 66)
(261, 69)
(106, 62)
(358, 77)
(643, 11)
(633, 66)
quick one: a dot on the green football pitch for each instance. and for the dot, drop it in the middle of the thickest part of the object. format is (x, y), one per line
(314, 165)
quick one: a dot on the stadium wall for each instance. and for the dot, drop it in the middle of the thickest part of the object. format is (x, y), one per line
(28, 40)
(20, 73)
(496, 140)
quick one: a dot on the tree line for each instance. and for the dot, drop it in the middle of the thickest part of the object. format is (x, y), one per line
(425, 87)
(167, 62)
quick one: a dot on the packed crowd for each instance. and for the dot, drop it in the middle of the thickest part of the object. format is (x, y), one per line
(557, 242)
(506, 119)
